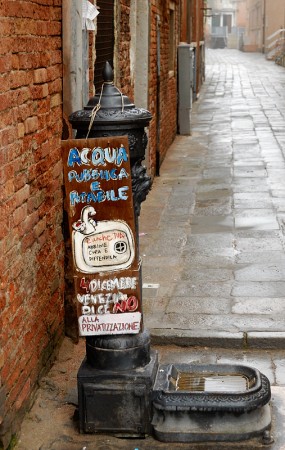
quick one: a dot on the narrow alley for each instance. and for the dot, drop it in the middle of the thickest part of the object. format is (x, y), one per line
(215, 244)
(212, 239)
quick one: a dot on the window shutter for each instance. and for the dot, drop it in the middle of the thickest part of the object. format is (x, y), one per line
(104, 39)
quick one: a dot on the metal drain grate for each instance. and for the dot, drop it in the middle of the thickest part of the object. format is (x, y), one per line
(211, 382)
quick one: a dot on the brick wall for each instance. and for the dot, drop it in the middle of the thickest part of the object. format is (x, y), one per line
(163, 92)
(163, 127)
(124, 79)
(31, 244)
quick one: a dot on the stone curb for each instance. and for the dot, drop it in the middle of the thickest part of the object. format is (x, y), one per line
(221, 339)
(272, 340)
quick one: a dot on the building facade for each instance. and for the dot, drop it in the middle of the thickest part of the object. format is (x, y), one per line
(31, 240)
(226, 23)
(264, 19)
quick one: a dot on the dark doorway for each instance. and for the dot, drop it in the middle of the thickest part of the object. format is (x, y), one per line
(227, 22)
(104, 39)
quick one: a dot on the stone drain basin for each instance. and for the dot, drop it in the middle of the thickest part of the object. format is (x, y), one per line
(217, 402)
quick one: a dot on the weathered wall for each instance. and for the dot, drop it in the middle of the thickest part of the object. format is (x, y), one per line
(123, 48)
(31, 243)
(259, 30)
(163, 85)
(275, 19)
(162, 92)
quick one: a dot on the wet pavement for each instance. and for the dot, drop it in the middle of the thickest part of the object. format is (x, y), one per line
(213, 225)
(213, 248)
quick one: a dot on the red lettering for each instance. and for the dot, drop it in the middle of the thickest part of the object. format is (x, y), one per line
(120, 307)
(84, 284)
(132, 303)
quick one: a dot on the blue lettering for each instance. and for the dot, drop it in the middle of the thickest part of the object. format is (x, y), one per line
(101, 197)
(98, 196)
(95, 174)
(86, 175)
(83, 197)
(123, 174)
(74, 198)
(71, 175)
(122, 193)
(74, 157)
(111, 158)
(91, 197)
(95, 186)
(98, 157)
(113, 174)
(122, 156)
(113, 198)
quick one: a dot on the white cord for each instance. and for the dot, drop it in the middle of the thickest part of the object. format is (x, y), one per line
(98, 106)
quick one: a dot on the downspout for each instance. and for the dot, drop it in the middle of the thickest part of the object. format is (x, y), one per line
(157, 159)
(263, 26)
(72, 55)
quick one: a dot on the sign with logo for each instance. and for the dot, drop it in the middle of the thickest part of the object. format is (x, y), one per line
(98, 186)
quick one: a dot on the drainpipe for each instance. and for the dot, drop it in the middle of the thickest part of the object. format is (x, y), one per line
(264, 25)
(157, 160)
(72, 55)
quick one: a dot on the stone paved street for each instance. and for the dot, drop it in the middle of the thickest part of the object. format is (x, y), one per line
(213, 250)
(213, 225)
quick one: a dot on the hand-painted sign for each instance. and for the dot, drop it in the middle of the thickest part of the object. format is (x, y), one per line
(102, 227)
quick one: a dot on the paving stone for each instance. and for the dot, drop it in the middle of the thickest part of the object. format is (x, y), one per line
(201, 289)
(230, 322)
(203, 274)
(259, 289)
(257, 223)
(245, 184)
(272, 306)
(217, 224)
(250, 171)
(260, 256)
(261, 272)
(199, 305)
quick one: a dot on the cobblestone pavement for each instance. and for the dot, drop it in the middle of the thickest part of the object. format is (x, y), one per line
(213, 225)
(212, 243)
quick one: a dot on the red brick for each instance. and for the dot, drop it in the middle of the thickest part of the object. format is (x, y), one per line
(7, 136)
(31, 124)
(39, 91)
(5, 101)
(28, 224)
(6, 173)
(56, 100)
(20, 214)
(22, 95)
(6, 63)
(20, 180)
(40, 75)
(19, 78)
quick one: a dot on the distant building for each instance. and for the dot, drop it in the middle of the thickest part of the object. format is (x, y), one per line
(226, 23)
(264, 20)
